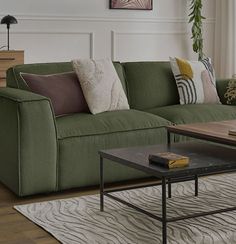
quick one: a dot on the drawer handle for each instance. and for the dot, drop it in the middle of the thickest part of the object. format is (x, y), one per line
(3, 78)
(7, 59)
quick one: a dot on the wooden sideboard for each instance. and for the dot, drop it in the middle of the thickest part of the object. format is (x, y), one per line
(7, 60)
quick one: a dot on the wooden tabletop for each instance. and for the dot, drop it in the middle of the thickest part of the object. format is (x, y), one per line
(211, 131)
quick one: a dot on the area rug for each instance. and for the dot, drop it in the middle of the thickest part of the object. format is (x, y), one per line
(79, 221)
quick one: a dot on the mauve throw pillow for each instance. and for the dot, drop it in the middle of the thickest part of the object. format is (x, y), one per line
(62, 89)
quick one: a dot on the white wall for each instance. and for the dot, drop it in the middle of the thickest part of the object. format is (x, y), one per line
(60, 30)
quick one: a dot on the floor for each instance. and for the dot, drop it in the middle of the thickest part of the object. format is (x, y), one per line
(16, 229)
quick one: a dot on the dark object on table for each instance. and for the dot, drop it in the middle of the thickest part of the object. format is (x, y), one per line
(169, 160)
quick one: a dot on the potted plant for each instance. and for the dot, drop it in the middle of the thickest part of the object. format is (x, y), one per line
(196, 19)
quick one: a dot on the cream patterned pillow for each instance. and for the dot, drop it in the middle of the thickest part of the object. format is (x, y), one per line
(195, 81)
(101, 85)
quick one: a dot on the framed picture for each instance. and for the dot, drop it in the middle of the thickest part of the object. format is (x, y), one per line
(131, 4)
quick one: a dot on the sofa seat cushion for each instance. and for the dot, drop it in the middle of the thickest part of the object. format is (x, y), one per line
(194, 113)
(78, 160)
(85, 124)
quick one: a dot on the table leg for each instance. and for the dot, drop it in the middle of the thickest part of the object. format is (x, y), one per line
(168, 138)
(169, 183)
(101, 185)
(164, 223)
(196, 185)
(169, 188)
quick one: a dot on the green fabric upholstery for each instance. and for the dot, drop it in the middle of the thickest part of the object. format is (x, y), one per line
(79, 159)
(81, 136)
(221, 86)
(195, 113)
(28, 145)
(150, 85)
(14, 79)
(18, 95)
(120, 71)
(106, 123)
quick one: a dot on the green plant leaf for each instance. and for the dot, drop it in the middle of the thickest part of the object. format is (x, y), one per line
(195, 16)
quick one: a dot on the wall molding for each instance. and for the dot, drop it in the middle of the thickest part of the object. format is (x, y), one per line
(37, 17)
(33, 32)
(114, 35)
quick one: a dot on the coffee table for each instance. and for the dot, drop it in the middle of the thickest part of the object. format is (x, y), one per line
(206, 159)
(211, 131)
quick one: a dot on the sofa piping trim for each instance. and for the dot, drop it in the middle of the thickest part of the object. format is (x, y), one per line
(57, 145)
(18, 148)
(22, 100)
(17, 82)
(109, 133)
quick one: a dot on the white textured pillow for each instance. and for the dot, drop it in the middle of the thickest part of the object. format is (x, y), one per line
(101, 85)
(195, 80)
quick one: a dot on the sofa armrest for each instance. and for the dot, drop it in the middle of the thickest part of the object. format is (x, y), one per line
(28, 142)
(226, 89)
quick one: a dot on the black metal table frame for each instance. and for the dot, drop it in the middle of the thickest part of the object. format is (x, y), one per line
(165, 181)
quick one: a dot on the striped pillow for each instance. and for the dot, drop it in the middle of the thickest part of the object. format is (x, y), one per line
(195, 81)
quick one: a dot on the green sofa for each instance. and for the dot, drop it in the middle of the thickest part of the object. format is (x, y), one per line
(41, 153)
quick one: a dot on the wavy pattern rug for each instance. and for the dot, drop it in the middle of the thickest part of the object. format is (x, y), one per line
(78, 220)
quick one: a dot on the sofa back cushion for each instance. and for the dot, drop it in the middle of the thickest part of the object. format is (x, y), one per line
(150, 85)
(15, 80)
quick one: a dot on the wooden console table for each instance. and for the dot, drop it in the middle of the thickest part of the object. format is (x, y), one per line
(7, 60)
